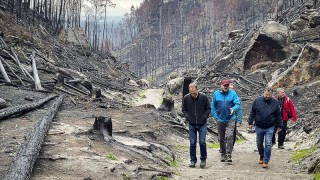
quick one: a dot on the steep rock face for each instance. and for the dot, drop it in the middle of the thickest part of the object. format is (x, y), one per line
(270, 45)
(306, 67)
(77, 38)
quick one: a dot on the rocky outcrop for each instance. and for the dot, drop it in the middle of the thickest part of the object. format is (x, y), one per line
(272, 44)
(77, 38)
(303, 70)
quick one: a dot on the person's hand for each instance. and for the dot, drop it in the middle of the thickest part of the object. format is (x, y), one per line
(238, 124)
(250, 126)
(279, 129)
(294, 121)
(231, 111)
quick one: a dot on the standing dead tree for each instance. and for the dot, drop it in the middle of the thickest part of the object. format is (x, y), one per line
(37, 81)
(22, 166)
(4, 113)
(3, 71)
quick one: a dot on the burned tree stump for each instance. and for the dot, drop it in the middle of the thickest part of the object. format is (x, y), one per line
(22, 165)
(104, 126)
(95, 93)
(60, 79)
(167, 104)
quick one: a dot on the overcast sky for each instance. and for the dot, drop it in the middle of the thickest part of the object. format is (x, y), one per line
(122, 6)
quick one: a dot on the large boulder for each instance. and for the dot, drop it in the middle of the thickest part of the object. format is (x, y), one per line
(315, 21)
(271, 44)
(175, 85)
(299, 24)
(276, 32)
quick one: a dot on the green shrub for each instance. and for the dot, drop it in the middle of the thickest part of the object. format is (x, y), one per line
(111, 157)
(301, 154)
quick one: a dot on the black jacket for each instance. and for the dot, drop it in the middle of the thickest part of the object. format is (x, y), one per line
(265, 113)
(196, 110)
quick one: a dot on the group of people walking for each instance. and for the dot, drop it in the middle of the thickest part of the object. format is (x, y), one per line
(268, 114)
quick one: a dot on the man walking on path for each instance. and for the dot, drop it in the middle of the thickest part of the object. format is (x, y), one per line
(287, 111)
(265, 112)
(225, 102)
(196, 109)
(238, 115)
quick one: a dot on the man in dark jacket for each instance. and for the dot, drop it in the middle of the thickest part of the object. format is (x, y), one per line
(265, 112)
(196, 109)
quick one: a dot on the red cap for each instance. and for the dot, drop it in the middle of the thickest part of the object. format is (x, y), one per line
(224, 82)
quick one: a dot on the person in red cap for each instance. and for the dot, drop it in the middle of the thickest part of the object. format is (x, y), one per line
(287, 111)
(225, 102)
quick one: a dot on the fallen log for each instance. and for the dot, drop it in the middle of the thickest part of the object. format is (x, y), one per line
(22, 165)
(24, 107)
(76, 89)
(37, 81)
(3, 71)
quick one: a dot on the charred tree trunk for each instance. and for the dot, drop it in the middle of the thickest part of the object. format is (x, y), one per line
(22, 166)
(3, 71)
(104, 125)
(23, 108)
(95, 93)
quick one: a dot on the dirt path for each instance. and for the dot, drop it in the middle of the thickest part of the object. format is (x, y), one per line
(244, 166)
(150, 96)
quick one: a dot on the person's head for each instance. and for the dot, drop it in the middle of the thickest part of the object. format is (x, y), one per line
(267, 94)
(225, 85)
(193, 89)
(231, 86)
(280, 92)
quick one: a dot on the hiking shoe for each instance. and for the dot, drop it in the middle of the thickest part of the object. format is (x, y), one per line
(223, 158)
(261, 160)
(265, 165)
(280, 147)
(202, 164)
(192, 164)
(228, 159)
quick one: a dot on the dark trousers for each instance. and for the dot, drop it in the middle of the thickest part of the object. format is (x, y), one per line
(202, 130)
(281, 134)
(226, 134)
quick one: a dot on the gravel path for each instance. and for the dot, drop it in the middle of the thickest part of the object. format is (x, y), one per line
(245, 164)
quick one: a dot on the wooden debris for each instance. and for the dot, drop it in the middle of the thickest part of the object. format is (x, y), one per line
(22, 165)
(24, 107)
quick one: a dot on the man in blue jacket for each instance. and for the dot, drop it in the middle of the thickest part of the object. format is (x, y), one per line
(225, 102)
(265, 112)
(196, 109)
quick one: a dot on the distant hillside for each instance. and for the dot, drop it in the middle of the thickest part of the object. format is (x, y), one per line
(161, 36)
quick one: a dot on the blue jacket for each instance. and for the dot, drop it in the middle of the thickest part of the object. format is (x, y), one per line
(221, 104)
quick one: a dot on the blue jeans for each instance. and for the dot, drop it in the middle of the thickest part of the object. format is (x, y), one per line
(264, 134)
(202, 129)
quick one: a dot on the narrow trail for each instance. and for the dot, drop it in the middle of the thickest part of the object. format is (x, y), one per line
(244, 166)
